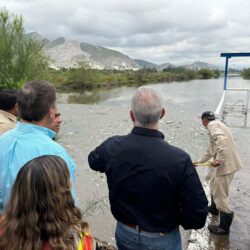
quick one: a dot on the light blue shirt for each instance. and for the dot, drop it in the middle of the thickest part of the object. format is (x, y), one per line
(22, 144)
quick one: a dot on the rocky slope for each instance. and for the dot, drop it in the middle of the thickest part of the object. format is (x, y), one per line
(67, 53)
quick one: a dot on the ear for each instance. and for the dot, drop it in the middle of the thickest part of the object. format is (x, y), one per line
(162, 113)
(51, 113)
(132, 116)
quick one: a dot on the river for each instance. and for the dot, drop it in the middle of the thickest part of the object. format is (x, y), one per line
(106, 113)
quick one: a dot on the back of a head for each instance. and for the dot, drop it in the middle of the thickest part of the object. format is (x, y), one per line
(40, 182)
(41, 205)
(8, 99)
(209, 115)
(147, 105)
(35, 99)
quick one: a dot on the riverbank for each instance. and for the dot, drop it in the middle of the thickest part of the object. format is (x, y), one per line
(88, 79)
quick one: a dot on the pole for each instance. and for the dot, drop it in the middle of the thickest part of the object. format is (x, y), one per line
(225, 75)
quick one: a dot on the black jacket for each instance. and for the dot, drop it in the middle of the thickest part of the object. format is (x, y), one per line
(151, 183)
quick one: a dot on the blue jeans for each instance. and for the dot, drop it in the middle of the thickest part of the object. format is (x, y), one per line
(128, 238)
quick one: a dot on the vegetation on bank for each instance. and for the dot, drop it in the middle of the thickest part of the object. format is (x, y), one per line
(22, 59)
(85, 78)
(246, 73)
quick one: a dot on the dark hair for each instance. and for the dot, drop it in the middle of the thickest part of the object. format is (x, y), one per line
(35, 99)
(209, 115)
(8, 99)
(41, 208)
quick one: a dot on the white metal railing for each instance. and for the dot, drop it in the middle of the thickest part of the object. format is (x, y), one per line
(219, 110)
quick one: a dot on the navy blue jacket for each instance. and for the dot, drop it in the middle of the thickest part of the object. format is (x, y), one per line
(151, 183)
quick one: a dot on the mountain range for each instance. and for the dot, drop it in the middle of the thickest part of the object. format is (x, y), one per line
(68, 53)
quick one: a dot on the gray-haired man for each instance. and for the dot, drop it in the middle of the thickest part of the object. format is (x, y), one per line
(153, 186)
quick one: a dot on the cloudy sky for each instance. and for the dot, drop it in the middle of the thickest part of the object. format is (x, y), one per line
(159, 31)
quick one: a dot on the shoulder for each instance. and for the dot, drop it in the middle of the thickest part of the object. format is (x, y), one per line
(56, 148)
(216, 127)
(3, 117)
(7, 135)
(114, 139)
(117, 137)
(175, 149)
(215, 123)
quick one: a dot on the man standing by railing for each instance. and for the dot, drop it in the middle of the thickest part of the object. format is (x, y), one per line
(226, 161)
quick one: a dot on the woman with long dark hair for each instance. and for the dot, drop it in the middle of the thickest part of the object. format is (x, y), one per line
(41, 213)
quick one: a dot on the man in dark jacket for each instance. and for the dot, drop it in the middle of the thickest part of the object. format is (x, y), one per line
(153, 186)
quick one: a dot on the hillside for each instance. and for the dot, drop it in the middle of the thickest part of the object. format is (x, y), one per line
(67, 53)
(145, 64)
(201, 65)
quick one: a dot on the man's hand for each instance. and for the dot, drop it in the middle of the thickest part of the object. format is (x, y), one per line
(215, 163)
(195, 163)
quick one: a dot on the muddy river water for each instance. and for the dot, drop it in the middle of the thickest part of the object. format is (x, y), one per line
(91, 117)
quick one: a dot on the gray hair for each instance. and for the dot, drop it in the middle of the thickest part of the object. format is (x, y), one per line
(147, 105)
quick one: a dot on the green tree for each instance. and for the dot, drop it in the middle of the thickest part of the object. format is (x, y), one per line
(22, 58)
(81, 77)
(246, 73)
(205, 73)
(216, 73)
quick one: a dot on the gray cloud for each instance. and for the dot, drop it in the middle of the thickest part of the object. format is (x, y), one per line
(160, 31)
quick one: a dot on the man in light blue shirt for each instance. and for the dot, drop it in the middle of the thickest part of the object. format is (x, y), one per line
(33, 136)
